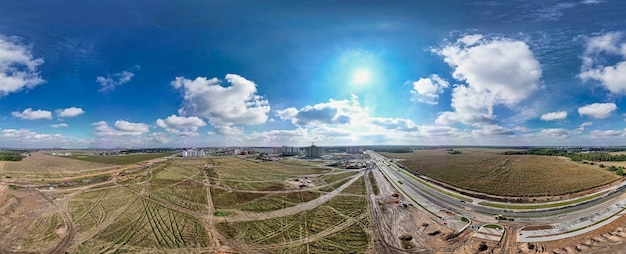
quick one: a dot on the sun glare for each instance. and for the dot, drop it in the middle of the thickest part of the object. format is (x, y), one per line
(361, 77)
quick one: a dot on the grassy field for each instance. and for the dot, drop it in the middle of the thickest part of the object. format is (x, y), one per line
(144, 214)
(120, 159)
(43, 165)
(341, 223)
(374, 184)
(240, 169)
(259, 202)
(164, 208)
(489, 172)
(541, 206)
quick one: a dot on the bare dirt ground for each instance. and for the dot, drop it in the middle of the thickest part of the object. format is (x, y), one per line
(608, 239)
(18, 210)
(412, 230)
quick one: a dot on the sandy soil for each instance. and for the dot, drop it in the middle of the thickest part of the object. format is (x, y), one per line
(18, 210)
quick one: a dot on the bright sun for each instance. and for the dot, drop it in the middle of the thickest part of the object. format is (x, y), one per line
(361, 77)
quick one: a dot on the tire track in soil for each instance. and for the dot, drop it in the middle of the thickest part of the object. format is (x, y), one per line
(294, 209)
(380, 222)
(321, 235)
(71, 231)
(212, 234)
(93, 232)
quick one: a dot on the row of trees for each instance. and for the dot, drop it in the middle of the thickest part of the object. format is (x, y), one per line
(10, 156)
(392, 150)
(617, 170)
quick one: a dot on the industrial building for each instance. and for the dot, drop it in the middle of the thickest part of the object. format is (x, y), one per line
(290, 150)
(314, 152)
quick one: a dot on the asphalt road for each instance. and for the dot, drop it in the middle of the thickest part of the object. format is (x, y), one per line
(455, 205)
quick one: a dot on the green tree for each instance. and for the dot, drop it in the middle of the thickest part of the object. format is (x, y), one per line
(612, 168)
(619, 172)
(601, 165)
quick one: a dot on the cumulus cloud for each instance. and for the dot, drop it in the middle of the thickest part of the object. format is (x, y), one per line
(58, 125)
(18, 67)
(69, 112)
(159, 138)
(427, 90)
(30, 114)
(597, 110)
(331, 112)
(560, 115)
(278, 137)
(395, 123)
(496, 71)
(183, 126)
(111, 81)
(223, 106)
(594, 67)
(120, 128)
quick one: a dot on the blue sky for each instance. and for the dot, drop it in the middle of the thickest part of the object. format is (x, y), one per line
(272, 73)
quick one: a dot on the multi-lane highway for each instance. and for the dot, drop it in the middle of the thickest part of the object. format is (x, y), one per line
(436, 200)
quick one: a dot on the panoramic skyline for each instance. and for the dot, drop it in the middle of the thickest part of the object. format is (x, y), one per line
(241, 73)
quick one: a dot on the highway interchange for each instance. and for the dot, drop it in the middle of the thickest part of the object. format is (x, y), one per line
(435, 200)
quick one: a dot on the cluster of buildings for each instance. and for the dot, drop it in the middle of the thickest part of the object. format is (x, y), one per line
(193, 153)
(354, 149)
(312, 151)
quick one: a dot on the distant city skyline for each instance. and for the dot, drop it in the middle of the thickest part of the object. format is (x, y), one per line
(288, 73)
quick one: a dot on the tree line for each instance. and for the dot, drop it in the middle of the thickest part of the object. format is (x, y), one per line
(596, 156)
(10, 156)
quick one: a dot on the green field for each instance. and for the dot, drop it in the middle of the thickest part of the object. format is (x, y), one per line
(541, 206)
(338, 226)
(120, 159)
(490, 172)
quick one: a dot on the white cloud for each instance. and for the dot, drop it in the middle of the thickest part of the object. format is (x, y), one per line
(183, 126)
(597, 110)
(229, 130)
(492, 130)
(279, 137)
(554, 116)
(110, 82)
(69, 112)
(30, 114)
(331, 112)
(582, 127)
(592, 1)
(131, 127)
(556, 132)
(121, 128)
(58, 125)
(427, 90)
(223, 106)
(605, 134)
(400, 124)
(159, 138)
(594, 67)
(18, 68)
(496, 71)
(31, 137)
